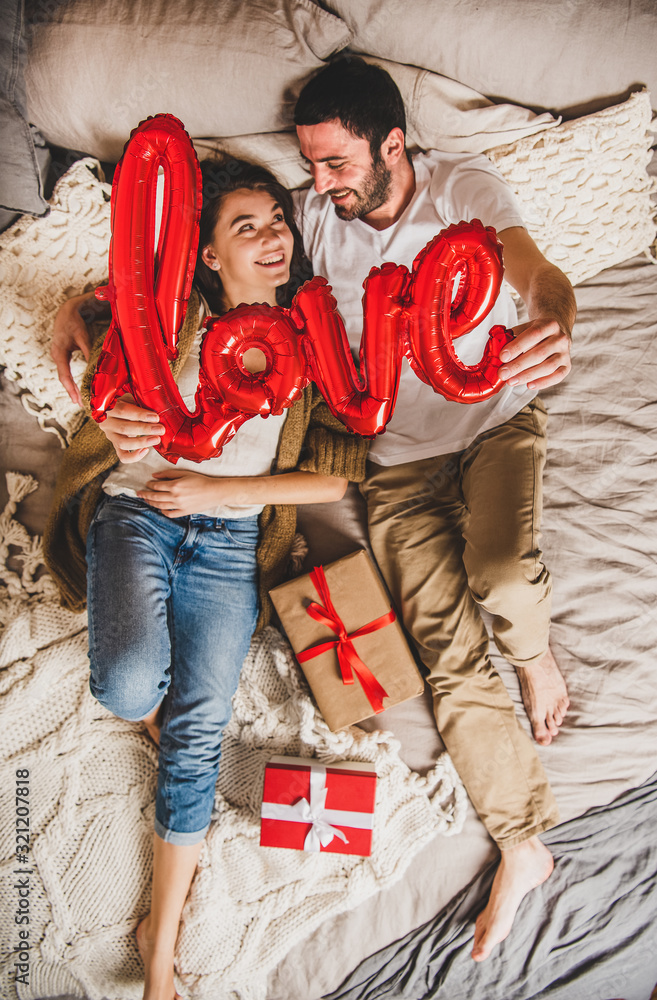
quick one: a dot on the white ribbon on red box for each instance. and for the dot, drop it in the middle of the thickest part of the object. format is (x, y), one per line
(315, 812)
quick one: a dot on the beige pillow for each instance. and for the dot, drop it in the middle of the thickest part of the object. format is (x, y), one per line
(279, 151)
(441, 114)
(444, 114)
(555, 54)
(96, 69)
(583, 188)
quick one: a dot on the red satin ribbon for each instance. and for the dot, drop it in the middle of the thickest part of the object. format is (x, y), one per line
(349, 660)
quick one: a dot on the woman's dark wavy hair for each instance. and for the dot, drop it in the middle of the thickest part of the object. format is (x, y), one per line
(220, 177)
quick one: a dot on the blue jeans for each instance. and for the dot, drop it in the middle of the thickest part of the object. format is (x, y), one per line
(172, 607)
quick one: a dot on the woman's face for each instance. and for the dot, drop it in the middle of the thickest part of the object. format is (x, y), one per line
(251, 249)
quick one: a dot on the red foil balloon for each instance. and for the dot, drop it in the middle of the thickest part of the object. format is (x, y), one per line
(363, 403)
(419, 317)
(265, 328)
(149, 291)
(149, 297)
(472, 253)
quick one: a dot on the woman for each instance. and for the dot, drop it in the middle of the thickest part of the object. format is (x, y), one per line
(178, 564)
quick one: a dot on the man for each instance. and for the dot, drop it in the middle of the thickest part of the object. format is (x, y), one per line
(453, 490)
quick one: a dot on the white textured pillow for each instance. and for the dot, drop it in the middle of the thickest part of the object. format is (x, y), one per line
(583, 187)
(96, 69)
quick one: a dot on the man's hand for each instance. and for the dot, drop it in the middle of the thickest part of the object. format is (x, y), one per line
(71, 333)
(132, 430)
(539, 355)
(176, 494)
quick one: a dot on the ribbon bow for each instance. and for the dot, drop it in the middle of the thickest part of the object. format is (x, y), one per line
(321, 832)
(349, 660)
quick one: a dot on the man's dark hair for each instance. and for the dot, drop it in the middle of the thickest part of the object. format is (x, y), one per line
(363, 98)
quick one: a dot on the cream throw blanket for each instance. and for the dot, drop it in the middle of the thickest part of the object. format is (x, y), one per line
(92, 783)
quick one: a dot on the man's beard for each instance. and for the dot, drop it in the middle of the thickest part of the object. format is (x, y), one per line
(374, 193)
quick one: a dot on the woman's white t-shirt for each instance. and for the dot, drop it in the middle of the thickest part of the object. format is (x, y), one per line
(250, 452)
(450, 188)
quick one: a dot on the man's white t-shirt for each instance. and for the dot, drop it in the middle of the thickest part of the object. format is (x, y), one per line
(250, 452)
(450, 188)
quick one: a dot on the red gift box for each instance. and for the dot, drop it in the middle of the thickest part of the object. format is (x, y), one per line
(308, 806)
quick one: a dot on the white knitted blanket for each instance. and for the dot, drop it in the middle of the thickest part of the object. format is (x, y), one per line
(92, 787)
(43, 262)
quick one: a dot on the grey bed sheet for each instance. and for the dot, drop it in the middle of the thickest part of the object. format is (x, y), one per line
(588, 933)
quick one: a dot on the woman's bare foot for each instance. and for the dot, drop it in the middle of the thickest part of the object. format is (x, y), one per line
(545, 696)
(158, 965)
(522, 868)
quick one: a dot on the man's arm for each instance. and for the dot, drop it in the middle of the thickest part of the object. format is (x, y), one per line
(71, 333)
(540, 354)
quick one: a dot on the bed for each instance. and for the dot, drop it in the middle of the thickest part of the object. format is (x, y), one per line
(575, 145)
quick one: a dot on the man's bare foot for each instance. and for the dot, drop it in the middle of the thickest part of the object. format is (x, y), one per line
(158, 965)
(153, 724)
(522, 868)
(545, 696)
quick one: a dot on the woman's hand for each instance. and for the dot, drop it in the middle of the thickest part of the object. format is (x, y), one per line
(132, 430)
(178, 493)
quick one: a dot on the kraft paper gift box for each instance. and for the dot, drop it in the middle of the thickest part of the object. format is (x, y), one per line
(308, 806)
(352, 676)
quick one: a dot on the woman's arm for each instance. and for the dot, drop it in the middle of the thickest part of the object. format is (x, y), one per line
(177, 493)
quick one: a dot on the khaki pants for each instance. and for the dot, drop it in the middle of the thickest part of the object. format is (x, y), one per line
(451, 533)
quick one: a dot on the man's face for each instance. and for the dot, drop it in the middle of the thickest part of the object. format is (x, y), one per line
(342, 166)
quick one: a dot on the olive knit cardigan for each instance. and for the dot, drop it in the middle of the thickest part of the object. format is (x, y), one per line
(312, 440)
